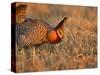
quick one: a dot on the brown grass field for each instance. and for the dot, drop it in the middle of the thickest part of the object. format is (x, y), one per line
(78, 50)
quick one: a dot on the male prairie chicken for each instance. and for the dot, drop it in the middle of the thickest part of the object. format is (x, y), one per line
(36, 32)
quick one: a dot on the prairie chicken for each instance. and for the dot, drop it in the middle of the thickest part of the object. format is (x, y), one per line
(36, 32)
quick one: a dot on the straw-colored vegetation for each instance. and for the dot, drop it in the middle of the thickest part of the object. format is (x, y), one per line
(78, 50)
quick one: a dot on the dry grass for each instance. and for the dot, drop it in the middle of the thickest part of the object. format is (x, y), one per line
(78, 50)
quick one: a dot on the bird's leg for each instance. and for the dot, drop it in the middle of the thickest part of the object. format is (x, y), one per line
(33, 53)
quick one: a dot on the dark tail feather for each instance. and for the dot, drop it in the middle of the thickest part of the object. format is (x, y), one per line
(21, 7)
(61, 23)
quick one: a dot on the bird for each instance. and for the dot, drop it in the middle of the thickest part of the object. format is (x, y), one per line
(33, 32)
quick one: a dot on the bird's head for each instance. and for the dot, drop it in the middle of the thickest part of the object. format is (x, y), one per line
(56, 35)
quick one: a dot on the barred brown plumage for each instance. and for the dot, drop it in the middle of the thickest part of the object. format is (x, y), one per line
(36, 32)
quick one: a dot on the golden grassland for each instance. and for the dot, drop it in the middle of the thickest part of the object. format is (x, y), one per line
(78, 50)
